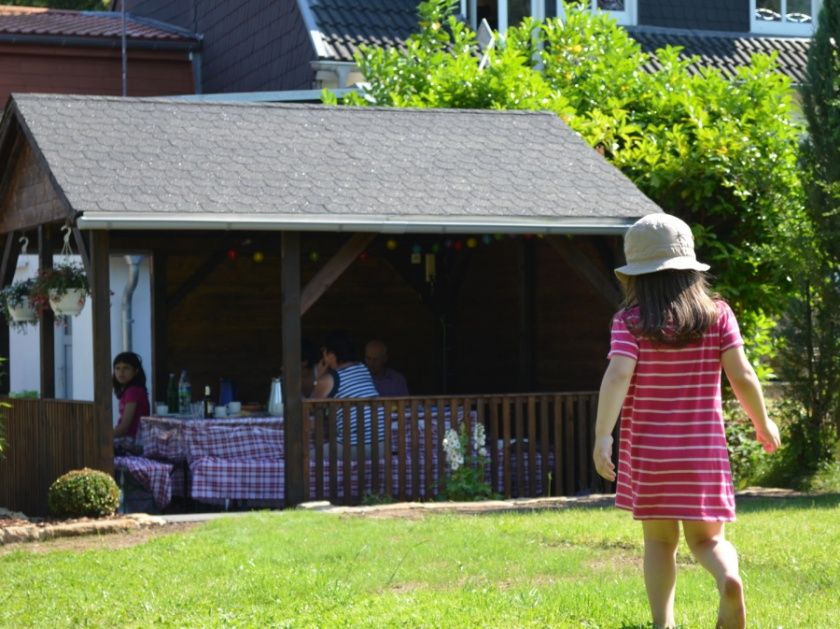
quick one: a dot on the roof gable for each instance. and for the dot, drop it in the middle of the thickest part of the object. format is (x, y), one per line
(158, 163)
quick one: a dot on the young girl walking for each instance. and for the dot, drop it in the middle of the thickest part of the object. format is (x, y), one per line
(667, 347)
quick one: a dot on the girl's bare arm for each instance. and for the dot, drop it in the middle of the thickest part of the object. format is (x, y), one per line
(747, 389)
(614, 388)
(121, 429)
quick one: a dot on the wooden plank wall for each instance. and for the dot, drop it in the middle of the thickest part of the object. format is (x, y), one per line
(45, 439)
(554, 429)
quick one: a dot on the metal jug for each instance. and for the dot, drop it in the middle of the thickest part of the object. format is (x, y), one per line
(275, 398)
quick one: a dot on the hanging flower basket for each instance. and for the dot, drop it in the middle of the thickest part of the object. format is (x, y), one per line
(62, 288)
(16, 303)
(69, 302)
(22, 314)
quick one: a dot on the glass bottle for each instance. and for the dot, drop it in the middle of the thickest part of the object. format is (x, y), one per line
(275, 398)
(172, 394)
(184, 393)
(209, 407)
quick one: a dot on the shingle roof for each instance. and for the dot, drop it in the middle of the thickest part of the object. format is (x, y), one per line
(344, 25)
(726, 51)
(158, 163)
(35, 21)
(347, 24)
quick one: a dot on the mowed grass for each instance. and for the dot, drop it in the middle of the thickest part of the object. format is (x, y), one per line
(571, 568)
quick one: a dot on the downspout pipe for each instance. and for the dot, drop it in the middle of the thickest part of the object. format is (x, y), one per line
(125, 306)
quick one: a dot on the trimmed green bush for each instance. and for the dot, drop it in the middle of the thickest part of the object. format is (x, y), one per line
(83, 493)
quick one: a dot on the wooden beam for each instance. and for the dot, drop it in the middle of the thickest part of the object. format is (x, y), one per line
(11, 250)
(333, 269)
(81, 247)
(102, 382)
(293, 411)
(198, 276)
(604, 286)
(47, 327)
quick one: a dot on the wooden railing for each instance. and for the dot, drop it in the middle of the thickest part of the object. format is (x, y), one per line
(538, 445)
(45, 439)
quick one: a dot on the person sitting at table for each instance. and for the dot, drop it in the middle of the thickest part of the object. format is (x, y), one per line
(341, 375)
(130, 389)
(310, 356)
(388, 382)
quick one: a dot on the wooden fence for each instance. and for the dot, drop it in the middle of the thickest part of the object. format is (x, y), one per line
(45, 439)
(537, 444)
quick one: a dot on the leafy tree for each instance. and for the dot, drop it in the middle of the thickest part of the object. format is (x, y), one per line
(811, 357)
(721, 154)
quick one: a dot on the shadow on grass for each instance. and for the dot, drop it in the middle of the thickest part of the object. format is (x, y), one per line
(748, 504)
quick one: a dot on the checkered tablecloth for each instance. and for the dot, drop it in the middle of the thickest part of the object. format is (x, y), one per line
(243, 458)
(162, 479)
(237, 479)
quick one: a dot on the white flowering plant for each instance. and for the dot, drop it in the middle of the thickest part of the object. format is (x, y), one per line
(465, 465)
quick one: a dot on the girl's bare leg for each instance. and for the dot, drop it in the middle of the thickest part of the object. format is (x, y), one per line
(718, 556)
(661, 539)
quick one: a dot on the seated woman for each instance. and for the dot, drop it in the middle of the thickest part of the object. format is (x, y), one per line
(341, 375)
(130, 389)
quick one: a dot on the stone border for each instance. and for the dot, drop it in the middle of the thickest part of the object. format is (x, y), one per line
(40, 531)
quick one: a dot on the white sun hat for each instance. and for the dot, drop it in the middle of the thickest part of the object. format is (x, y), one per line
(658, 242)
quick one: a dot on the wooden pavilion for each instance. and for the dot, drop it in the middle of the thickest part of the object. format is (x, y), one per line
(478, 243)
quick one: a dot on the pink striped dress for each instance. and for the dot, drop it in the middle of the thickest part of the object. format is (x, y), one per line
(673, 460)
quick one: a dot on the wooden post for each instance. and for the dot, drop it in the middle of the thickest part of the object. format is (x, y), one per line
(102, 383)
(293, 411)
(160, 316)
(45, 261)
(527, 310)
(7, 274)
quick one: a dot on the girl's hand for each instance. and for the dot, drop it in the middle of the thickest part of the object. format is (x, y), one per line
(602, 455)
(768, 436)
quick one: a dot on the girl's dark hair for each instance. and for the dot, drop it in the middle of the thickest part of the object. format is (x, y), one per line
(675, 306)
(341, 344)
(139, 379)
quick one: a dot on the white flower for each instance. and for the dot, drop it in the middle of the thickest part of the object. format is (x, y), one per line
(452, 450)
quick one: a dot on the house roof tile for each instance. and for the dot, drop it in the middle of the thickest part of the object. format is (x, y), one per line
(246, 166)
(43, 22)
(725, 51)
(347, 24)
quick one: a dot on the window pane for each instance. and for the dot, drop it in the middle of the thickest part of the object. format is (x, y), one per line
(550, 8)
(768, 10)
(517, 9)
(798, 11)
(611, 5)
(487, 10)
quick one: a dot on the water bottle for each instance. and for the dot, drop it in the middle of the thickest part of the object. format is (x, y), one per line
(172, 398)
(184, 393)
(275, 398)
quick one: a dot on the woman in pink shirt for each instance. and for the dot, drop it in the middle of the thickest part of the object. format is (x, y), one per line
(130, 390)
(668, 346)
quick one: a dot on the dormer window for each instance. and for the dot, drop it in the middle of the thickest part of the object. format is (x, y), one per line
(501, 14)
(624, 11)
(784, 17)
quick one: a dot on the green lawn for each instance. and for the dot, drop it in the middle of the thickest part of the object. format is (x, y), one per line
(573, 568)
